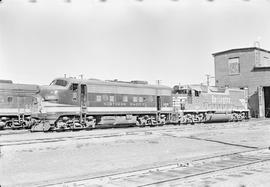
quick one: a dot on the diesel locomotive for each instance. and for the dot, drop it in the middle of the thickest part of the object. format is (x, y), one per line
(69, 103)
(201, 103)
(17, 102)
(72, 104)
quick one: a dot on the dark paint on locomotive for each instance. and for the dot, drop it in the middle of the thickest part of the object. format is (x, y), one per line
(98, 99)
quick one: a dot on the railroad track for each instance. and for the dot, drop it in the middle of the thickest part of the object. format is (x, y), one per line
(132, 131)
(175, 174)
(87, 136)
(186, 126)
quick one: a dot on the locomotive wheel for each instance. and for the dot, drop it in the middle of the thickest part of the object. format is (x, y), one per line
(2, 125)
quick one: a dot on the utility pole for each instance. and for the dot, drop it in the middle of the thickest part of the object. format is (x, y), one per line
(208, 77)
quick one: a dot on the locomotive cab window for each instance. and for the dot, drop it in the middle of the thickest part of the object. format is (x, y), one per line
(74, 87)
(59, 82)
(184, 91)
(197, 93)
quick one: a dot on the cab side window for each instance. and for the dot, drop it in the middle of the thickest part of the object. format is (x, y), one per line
(74, 87)
(197, 93)
(190, 93)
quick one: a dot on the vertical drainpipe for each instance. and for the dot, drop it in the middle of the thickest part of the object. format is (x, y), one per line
(260, 88)
(261, 102)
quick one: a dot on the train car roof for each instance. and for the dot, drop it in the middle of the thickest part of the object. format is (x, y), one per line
(115, 83)
(19, 87)
(205, 88)
(6, 81)
(197, 87)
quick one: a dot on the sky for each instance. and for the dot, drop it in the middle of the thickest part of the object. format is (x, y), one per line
(167, 40)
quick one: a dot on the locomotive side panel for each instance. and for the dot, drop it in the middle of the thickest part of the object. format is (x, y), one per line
(127, 96)
(228, 101)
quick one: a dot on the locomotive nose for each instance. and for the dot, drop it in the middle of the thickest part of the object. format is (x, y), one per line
(49, 93)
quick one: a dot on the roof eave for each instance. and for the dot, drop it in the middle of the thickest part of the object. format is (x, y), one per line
(239, 49)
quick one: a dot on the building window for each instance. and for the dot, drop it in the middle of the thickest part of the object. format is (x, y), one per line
(135, 99)
(262, 61)
(140, 99)
(98, 98)
(125, 98)
(234, 66)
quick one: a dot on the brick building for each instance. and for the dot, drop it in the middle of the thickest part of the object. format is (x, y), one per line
(246, 68)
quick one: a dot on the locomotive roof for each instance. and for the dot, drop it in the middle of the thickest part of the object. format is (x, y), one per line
(6, 81)
(19, 87)
(114, 83)
(205, 88)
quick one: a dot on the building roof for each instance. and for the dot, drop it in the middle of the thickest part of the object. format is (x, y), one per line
(240, 50)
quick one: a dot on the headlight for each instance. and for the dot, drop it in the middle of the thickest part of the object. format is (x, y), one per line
(51, 98)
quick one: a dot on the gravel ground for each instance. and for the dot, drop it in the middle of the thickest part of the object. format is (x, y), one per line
(41, 163)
